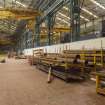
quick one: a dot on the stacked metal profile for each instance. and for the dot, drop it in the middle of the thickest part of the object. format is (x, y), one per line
(96, 57)
(63, 65)
(100, 82)
(35, 56)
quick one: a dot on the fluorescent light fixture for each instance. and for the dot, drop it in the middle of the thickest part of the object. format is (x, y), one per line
(90, 13)
(62, 20)
(17, 2)
(63, 15)
(85, 10)
(59, 24)
(65, 8)
(98, 4)
(69, 18)
(84, 18)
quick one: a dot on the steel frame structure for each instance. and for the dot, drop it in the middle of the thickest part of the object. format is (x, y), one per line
(48, 16)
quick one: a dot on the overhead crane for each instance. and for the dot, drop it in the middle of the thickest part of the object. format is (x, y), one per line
(18, 14)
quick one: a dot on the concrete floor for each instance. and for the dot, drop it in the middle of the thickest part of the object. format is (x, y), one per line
(21, 84)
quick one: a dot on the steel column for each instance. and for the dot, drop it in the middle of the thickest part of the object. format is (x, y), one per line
(50, 20)
(37, 32)
(75, 19)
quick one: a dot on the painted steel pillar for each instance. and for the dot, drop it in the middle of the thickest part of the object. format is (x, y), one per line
(75, 19)
(25, 39)
(37, 32)
(20, 45)
(25, 35)
(50, 21)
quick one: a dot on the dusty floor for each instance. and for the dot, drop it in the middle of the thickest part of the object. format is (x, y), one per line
(21, 84)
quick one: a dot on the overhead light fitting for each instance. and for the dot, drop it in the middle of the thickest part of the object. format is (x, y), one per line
(63, 20)
(85, 10)
(63, 15)
(69, 18)
(65, 8)
(84, 18)
(98, 4)
(17, 2)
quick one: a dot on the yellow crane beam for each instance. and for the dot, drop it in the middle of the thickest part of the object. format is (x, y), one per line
(31, 25)
(16, 14)
(12, 13)
(57, 29)
(6, 42)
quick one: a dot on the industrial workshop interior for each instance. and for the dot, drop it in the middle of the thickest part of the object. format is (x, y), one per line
(52, 52)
